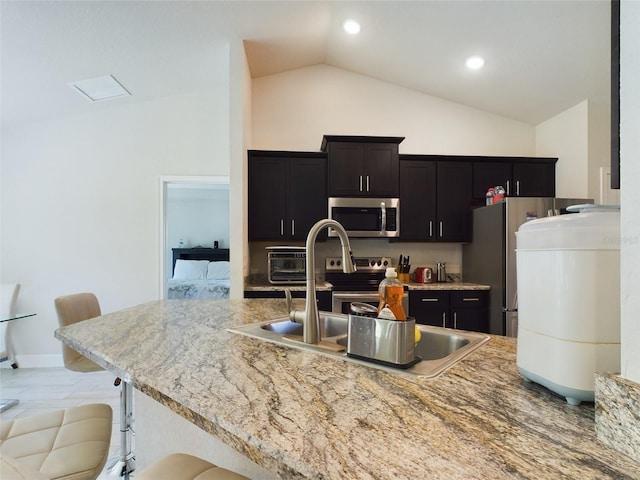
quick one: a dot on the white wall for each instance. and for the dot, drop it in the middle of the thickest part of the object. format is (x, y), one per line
(80, 203)
(630, 191)
(240, 140)
(293, 110)
(198, 216)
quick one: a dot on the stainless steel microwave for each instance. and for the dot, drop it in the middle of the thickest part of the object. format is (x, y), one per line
(366, 217)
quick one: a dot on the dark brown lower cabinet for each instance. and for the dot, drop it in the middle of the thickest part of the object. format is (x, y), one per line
(461, 309)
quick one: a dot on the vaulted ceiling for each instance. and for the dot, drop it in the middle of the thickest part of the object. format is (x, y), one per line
(542, 56)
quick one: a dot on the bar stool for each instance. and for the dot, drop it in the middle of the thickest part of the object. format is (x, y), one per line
(180, 466)
(66, 444)
(76, 308)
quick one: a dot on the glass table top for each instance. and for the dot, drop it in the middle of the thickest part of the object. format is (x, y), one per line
(17, 316)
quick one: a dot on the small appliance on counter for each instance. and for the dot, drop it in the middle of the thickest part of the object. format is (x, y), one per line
(423, 275)
(287, 265)
(568, 271)
(441, 272)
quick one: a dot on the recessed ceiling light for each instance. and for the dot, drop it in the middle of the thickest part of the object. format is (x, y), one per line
(100, 88)
(351, 26)
(475, 62)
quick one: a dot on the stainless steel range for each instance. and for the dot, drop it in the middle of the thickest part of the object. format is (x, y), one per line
(360, 286)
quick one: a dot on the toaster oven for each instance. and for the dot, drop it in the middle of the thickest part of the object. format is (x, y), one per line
(287, 265)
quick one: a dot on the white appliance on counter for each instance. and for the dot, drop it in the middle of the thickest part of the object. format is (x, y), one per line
(490, 258)
(569, 300)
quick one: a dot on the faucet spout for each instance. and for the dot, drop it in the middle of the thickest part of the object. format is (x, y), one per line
(310, 318)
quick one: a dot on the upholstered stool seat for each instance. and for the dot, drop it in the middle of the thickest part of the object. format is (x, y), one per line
(73, 309)
(65, 444)
(180, 466)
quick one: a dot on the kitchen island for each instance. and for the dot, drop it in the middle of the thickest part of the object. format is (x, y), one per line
(300, 414)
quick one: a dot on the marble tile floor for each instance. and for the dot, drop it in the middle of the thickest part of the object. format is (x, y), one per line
(41, 390)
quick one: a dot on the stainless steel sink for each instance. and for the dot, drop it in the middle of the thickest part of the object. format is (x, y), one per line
(439, 348)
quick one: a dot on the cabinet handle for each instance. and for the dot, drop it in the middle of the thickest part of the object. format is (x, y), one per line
(518, 188)
(428, 299)
(360, 182)
(368, 183)
(455, 320)
(444, 319)
(508, 187)
(282, 227)
(293, 227)
(430, 228)
(441, 229)
(471, 299)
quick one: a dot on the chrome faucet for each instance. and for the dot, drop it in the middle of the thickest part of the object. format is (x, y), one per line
(310, 318)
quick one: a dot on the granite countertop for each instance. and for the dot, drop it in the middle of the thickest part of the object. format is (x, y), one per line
(305, 415)
(325, 286)
(447, 286)
(270, 287)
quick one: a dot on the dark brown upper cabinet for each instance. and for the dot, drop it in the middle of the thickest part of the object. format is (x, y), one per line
(287, 194)
(362, 166)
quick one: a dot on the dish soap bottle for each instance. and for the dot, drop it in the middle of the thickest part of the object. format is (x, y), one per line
(391, 292)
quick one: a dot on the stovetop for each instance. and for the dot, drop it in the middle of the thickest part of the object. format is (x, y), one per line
(368, 275)
(363, 264)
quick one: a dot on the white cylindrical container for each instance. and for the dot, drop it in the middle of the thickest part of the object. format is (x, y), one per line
(568, 269)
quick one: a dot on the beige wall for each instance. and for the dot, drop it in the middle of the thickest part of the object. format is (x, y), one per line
(293, 110)
(566, 136)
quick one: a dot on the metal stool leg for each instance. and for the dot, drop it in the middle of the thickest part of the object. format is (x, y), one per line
(126, 463)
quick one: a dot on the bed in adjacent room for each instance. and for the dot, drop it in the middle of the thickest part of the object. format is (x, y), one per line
(199, 273)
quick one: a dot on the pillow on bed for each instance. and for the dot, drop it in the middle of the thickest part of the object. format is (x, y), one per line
(218, 271)
(190, 269)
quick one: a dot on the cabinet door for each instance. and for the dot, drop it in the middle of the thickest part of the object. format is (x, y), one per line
(346, 169)
(454, 201)
(417, 200)
(534, 179)
(490, 174)
(307, 196)
(380, 170)
(267, 198)
(429, 307)
(470, 310)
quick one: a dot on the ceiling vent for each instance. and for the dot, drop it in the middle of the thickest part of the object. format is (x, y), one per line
(100, 88)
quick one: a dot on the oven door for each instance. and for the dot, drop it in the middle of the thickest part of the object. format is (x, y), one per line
(341, 301)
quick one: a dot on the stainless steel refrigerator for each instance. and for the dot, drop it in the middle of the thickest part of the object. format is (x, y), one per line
(490, 258)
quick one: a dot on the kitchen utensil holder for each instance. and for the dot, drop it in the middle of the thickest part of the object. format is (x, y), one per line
(389, 342)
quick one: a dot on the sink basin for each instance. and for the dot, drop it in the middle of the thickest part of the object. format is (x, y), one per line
(330, 326)
(440, 348)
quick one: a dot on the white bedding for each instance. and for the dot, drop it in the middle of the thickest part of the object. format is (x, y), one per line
(201, 289)
(199, 279)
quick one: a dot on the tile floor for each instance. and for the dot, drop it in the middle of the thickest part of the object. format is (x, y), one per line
(42, 390)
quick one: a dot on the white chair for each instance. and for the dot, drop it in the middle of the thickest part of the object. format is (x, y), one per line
(8, 299)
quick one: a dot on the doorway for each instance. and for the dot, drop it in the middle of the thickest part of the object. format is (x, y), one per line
(194, 213)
